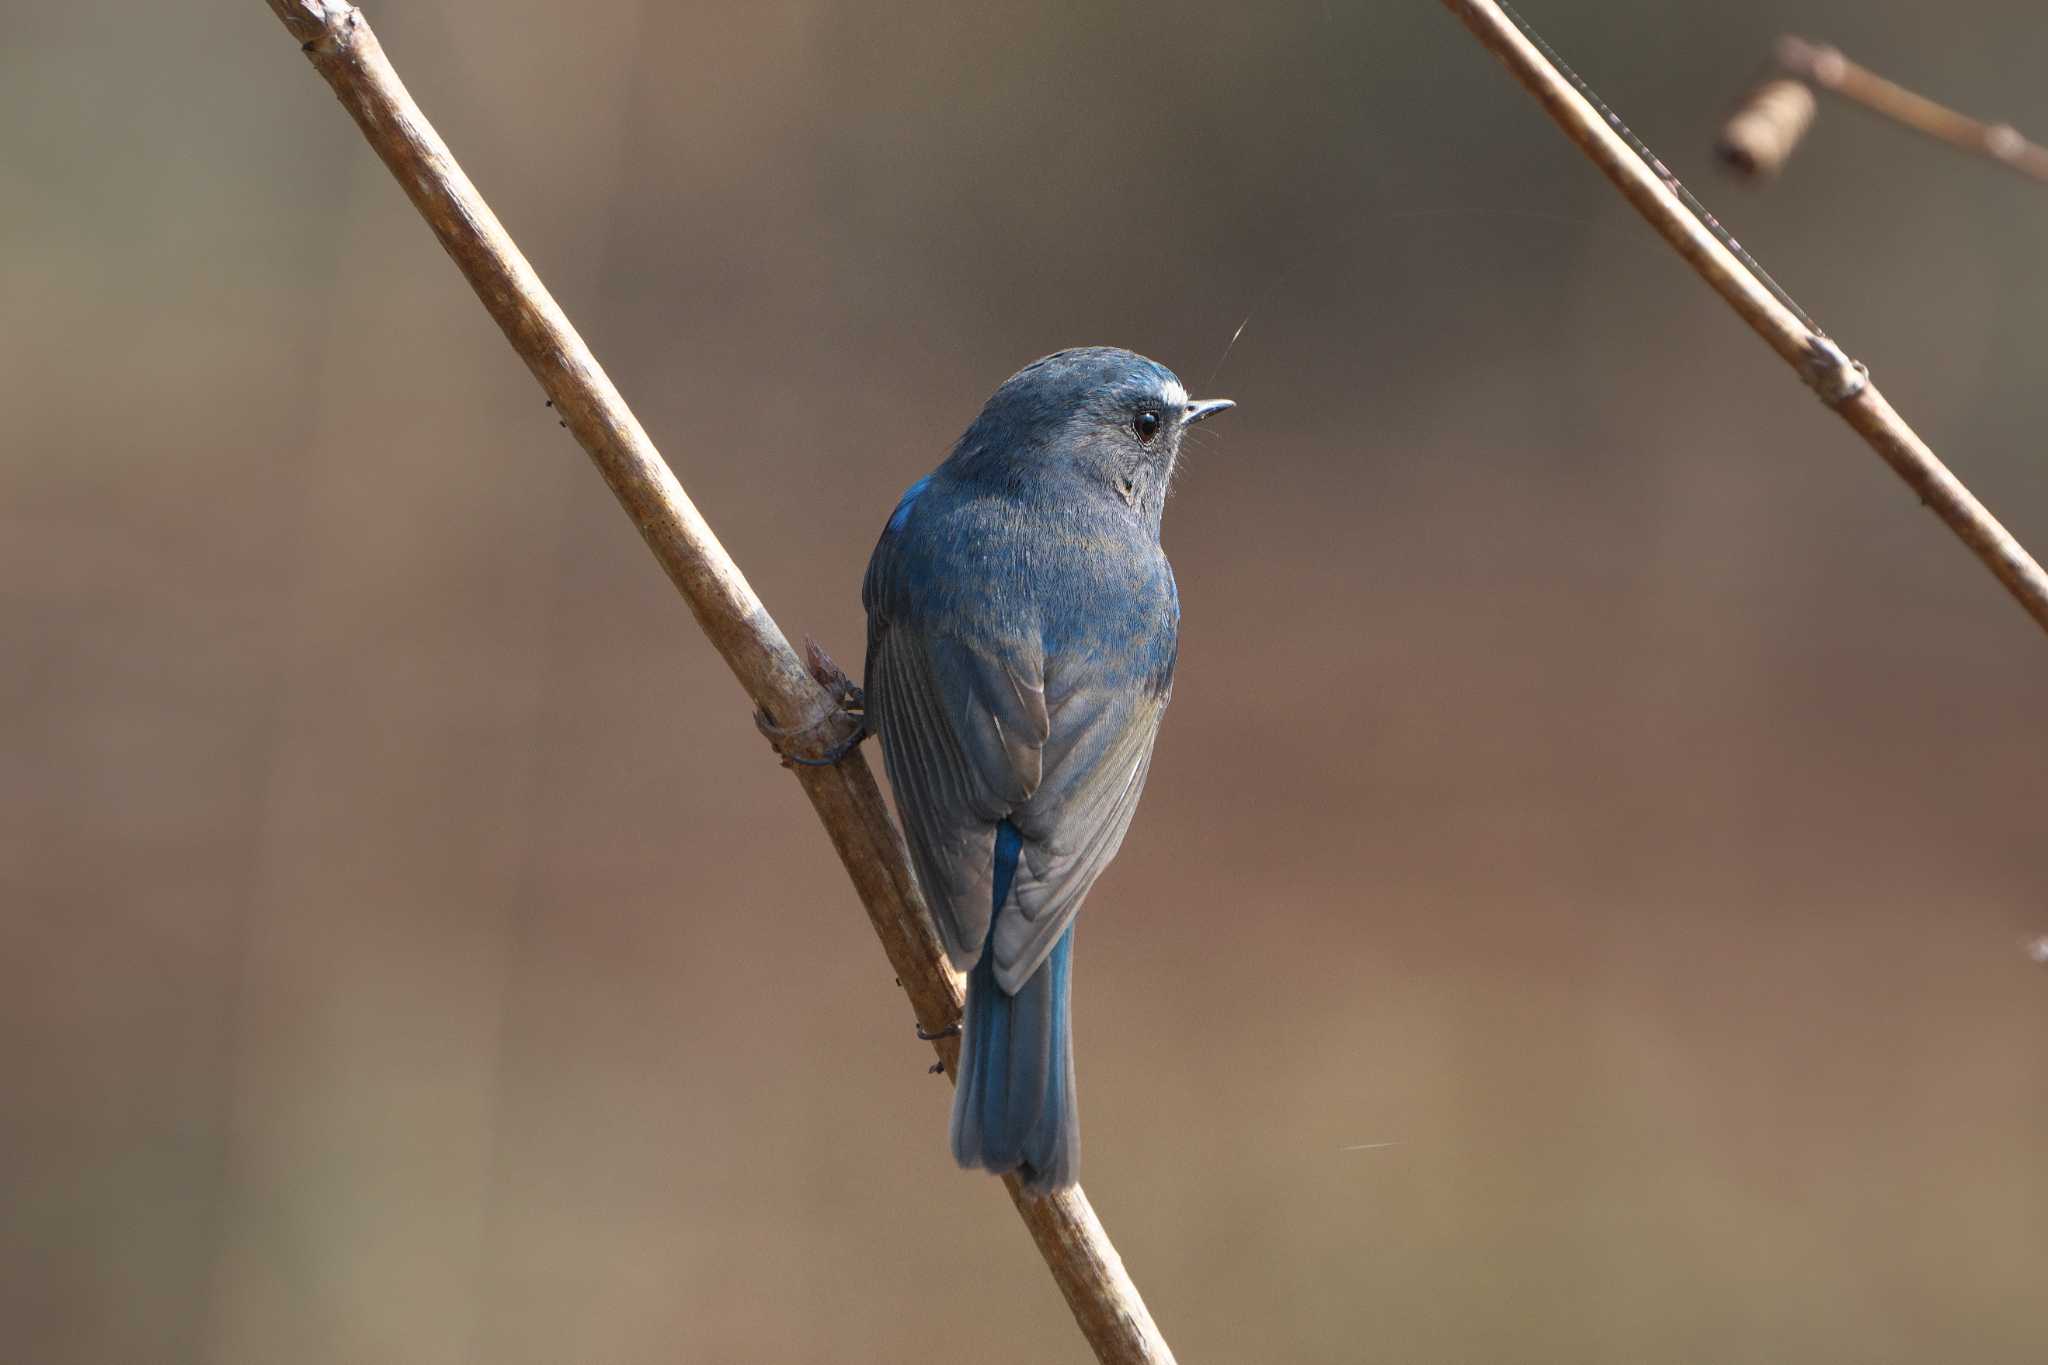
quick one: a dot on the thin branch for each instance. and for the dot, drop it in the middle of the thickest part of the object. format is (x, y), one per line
(342, 48)
(1841, 384)
(1757, 139)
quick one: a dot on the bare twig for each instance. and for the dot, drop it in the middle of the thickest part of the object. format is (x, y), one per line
(342, 48)
(1820, 362)
(1758, 138)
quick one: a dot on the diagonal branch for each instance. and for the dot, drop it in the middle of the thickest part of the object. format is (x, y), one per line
(1825, 68)
(1768, 310)
(342, 48)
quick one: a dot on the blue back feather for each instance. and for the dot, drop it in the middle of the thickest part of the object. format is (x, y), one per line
(1022, 634)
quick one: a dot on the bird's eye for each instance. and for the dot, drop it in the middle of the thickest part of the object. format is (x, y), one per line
(1146, 424)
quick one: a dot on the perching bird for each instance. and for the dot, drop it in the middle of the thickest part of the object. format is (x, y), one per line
(1022, 630)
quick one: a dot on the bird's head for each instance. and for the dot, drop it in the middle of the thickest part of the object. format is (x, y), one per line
(1108, 418)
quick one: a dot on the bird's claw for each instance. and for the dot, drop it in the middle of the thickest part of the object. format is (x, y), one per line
(806, 746)
(949, 1031)
(777, 735)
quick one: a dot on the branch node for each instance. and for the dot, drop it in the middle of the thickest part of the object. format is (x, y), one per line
(1829, 371)
(337, 22)
(830, 676)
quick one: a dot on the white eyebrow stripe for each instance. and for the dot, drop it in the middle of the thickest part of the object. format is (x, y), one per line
(1176, 396)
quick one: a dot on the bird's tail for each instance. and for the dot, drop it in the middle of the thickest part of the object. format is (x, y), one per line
(1013, 1109)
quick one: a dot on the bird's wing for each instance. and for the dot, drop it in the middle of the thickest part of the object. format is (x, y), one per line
(970, 739)
(1092, 771)
(963, 732)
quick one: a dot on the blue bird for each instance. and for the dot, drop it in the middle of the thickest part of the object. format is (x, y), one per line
(1022, 629)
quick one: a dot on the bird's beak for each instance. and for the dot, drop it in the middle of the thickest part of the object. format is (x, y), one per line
(1198, 408)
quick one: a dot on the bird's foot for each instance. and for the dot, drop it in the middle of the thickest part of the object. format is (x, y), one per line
(789, 739)
(949, 1031)
(822, 742)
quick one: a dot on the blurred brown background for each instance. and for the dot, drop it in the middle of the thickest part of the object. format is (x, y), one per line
(1590, 771)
